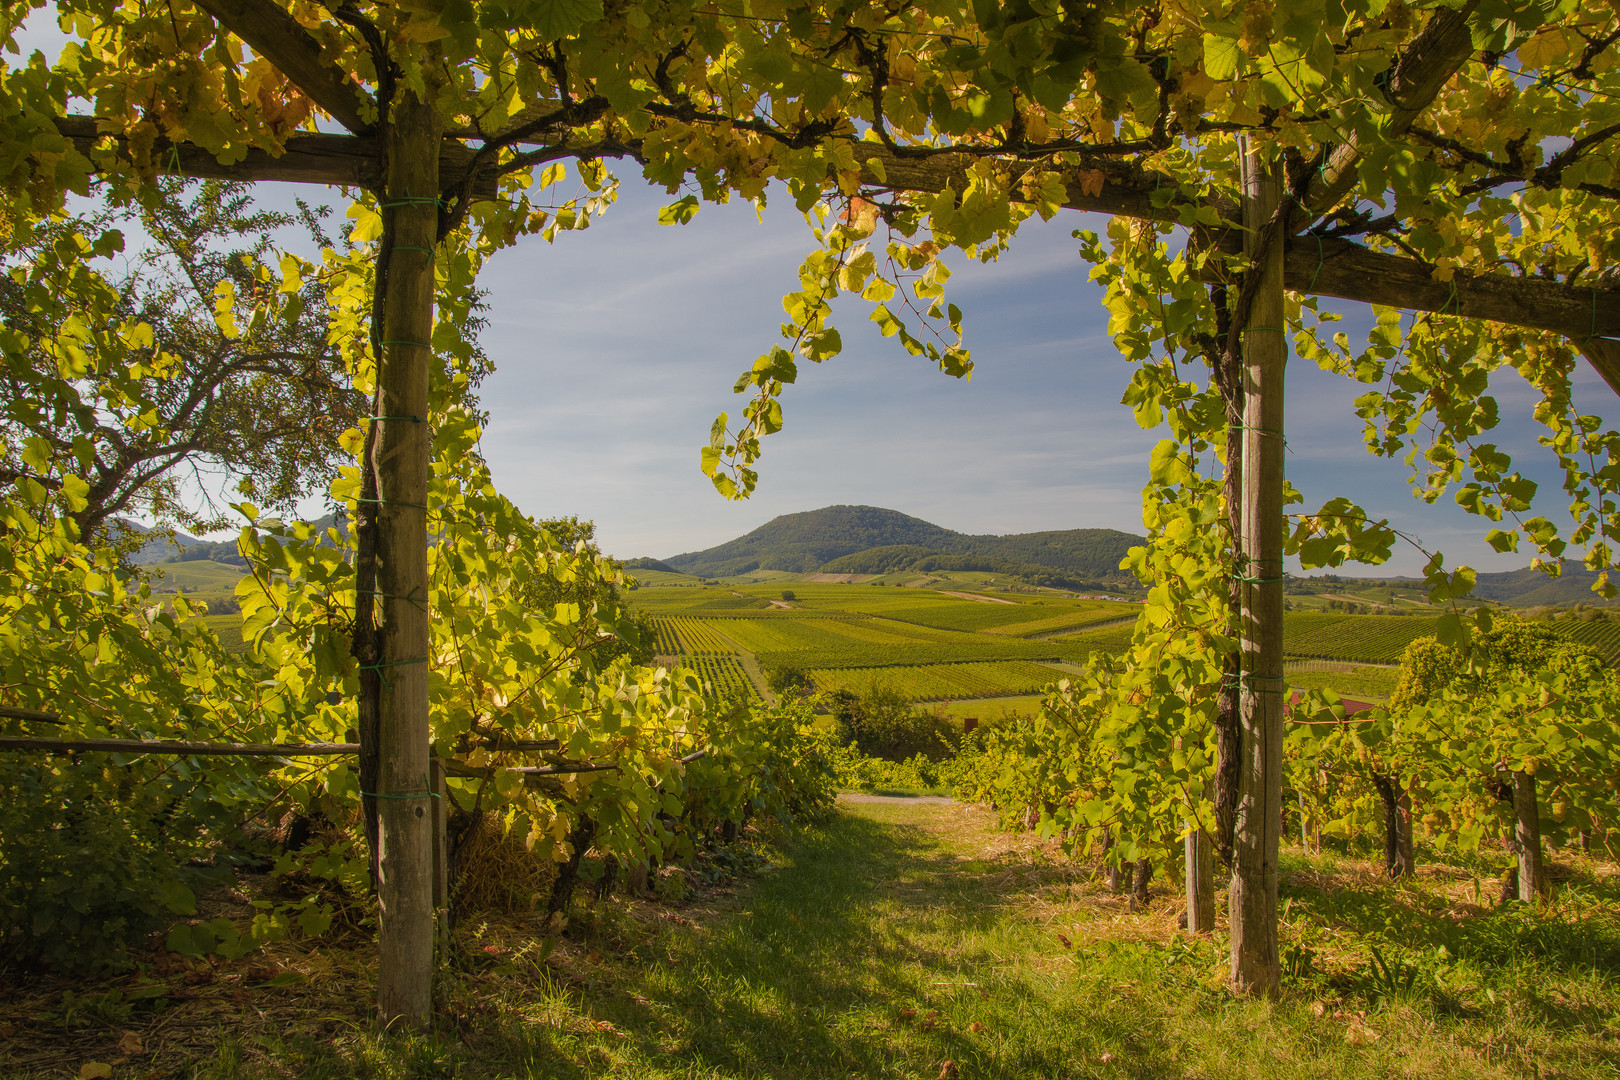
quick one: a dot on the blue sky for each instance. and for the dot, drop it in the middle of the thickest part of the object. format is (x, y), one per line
(616, 347)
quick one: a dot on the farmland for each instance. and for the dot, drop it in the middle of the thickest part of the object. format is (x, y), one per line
(928, 646)
(943, 681)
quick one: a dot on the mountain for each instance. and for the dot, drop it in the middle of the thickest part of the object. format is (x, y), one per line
(1527, 587)
(870, 539)
(650, 564)
(158, 547)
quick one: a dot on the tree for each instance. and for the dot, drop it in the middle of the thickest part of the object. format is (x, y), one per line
(262, 402)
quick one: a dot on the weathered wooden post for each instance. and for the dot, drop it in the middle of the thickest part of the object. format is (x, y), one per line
(1200, 855)
(399, 462)
(1252, 910)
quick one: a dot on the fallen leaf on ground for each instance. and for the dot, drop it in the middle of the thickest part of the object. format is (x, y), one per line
(95, 1070)
(947, 1069)
(1108, 1059)
(1065, 942)
(130, 1043)
(975, 1027)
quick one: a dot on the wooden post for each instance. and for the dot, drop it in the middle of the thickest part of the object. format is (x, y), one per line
(400, 458)
(441, 838)
(1527, 831)
(1200, 881)
(1252, 910)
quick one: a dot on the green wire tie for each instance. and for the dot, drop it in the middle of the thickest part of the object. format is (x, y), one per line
(1261, 430)
(418, 602)
(393, 502)
(1245, 681)
(417, 419)
(415, 795)
(1279, 329)
(1258, 580)
(1450, 297)
(1320, 259)
(413, 200)
(418, 344)
(392, 663)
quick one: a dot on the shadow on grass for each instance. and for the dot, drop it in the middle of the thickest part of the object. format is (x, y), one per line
(1428, 945)
(863, 956)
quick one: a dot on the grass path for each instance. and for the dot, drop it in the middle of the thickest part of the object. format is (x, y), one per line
(908, 938)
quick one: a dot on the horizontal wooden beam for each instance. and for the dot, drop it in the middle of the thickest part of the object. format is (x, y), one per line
(1336, 267)
(1327, 267)
(175, 748)
(310, 158)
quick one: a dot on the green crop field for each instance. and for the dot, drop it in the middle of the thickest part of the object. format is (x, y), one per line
(1372, 684)
(693, 637)
(1368, 639)
(727, 677)
(197, 575)
(934, 682)
(1103, 612)
(1601, 636)
(854, 629)
(1115, 639)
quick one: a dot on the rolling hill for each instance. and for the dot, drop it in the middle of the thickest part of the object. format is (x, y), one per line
(871, 540)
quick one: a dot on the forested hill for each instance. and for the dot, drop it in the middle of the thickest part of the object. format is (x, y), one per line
(802, 543)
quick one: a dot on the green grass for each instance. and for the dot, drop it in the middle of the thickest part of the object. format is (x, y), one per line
(935, 681)
(1372, 684)
(198, 575)
(904, 935)
(989, 709)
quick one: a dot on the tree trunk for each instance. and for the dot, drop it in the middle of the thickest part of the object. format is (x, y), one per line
(1252, 910)
(1527, 834)
(399, 464)
(1408, 855)
(580, 839)
(1200, 882)
(1116, 872)
(1139, 886)
(1386, 786)
(1228, 377)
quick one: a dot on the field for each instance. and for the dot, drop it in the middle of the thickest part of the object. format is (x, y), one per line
(197, 575)
(727, 677)
(927, 645)
(933, 646)
(938, 681)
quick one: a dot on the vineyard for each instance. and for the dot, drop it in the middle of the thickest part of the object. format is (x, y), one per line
(938, 681)
(725, 676)
(1367, 639)
(692, 637)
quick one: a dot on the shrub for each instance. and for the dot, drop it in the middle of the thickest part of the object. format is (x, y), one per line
(883, 723)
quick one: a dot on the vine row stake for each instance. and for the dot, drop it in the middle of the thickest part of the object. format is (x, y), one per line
(1252, 909)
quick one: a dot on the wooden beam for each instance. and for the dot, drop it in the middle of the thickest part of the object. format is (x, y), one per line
(175, 747)
(1321, 266)
(1333, 267)
(1415, 79)
(310, 158)
(1604, 356)
(269, 30)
